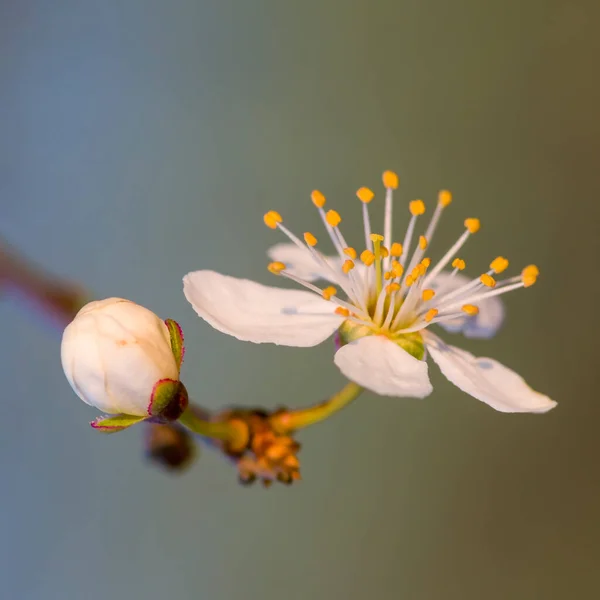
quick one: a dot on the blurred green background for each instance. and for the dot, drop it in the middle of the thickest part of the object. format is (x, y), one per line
(142, 139)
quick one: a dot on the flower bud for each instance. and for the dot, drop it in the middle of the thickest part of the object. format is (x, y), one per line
(122, 359)
(170, 446)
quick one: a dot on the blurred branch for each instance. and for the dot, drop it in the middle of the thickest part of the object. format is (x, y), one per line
(55, 297)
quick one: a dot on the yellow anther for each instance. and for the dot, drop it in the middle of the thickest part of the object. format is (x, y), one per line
(390, 180)
(367, 257)
(426, 262)
(422, 242)
(416, 207)
(397, 269)
(499, 264)
(365, 194)
(351, 252)
(328, 292)
(272, 218)
(310, 239)
(459, 263)
(428, 295)
(348, 266)
(470, 309)
(276, 267)
(431, 314)
(473, 225)
(384, 252)
(343, 312)
(388, 275)
(396, 249)
(409, 280)
(444, 198)
(416, 272)
(318, 199)
(375, 237)
(530, 270)
(487, 280)
(333, 218)
(392, 287)
(529, 275)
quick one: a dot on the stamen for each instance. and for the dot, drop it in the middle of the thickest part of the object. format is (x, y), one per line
(328, 292)
(473, 225)
(272, 218)
(397, 269)
(529, 275)
(276, 267)
(430, 314)
(396, 249)
(354, 309)
(422, 242)
(377, 239)
(317, 198)
(416, 207)
(444, 198)
(459, 263)
(390, 181)
(428, 295)
(487, 280)
(351, 252)
(530, 270)
(365, 195)
(480, 297)
(499, 264)
(343, 312)
(378, 314)
(348, 266)
(348, 287)
(470, 309)
(310, 239)
(367, 257)
(333, 218)
(392, 287)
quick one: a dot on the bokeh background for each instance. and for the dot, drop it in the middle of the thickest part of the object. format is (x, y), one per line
(142, 139)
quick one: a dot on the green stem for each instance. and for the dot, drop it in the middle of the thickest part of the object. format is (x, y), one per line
(221, 430)
(298, 419)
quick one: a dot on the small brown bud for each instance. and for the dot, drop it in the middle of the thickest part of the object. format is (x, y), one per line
(170, 446)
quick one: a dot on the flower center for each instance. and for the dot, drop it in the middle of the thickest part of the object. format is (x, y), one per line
(389, 287)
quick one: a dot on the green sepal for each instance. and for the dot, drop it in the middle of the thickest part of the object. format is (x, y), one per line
(177, 345)
(168, 401)
(114, 423)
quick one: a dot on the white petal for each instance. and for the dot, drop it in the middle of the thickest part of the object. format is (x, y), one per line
(257, 313)
(302, 263)
(381, 366)
(486, 379)
(483, 325)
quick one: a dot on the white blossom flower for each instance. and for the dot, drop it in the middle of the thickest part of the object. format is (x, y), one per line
(381, 301)
(124, 360)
